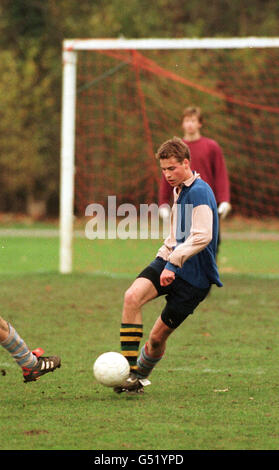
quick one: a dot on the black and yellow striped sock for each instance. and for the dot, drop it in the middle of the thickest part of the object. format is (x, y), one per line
(130, 336)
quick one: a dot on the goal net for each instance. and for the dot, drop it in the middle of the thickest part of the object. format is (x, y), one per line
(123, 98)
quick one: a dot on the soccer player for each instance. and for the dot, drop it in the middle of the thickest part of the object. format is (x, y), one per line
(183, 270)
(32, 363)
(206, 158)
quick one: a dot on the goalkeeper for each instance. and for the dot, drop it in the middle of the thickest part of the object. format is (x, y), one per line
(183, 270)
(206, 158)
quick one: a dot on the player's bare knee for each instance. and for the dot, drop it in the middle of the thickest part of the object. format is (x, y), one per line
(3, 325)
(131, 298)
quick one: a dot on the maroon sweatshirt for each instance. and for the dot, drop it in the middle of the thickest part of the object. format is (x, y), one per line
(206, 159)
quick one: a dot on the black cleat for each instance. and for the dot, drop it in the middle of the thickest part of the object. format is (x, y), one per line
(45, 365)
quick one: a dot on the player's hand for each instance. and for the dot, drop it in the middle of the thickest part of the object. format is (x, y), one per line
(167, 277)
(223, 209)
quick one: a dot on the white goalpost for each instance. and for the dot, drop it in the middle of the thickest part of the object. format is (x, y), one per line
(71, 48)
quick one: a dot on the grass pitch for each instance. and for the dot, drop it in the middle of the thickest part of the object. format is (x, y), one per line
(216, 388)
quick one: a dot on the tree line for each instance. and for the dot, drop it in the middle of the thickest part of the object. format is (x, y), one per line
(31, 38)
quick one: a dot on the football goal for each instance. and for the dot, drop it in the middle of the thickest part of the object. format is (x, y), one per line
(122, 98)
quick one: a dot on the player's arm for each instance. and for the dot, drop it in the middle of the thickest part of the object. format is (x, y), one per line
(200, 236)
(166, 249)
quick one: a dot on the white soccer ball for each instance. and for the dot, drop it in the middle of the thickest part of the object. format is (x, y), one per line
(111, 369)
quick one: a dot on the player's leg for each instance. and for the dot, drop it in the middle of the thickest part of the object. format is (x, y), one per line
(145, 288)
(182, 300)
(154, 349)
(150, 355)
(158, 336)
(32, 363)
(4, 330)
(139, 293)
(15, 345)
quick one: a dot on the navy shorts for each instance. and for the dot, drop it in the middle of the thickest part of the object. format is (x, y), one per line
(182, 298)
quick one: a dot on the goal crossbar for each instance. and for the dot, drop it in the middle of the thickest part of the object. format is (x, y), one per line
(183, 43)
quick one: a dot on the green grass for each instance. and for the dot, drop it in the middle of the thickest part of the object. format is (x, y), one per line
(127, 257)
(216, 388)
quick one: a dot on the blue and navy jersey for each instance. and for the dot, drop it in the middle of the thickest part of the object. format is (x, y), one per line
(193, 258)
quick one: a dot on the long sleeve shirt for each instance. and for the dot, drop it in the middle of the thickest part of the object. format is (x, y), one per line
(190, 248)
